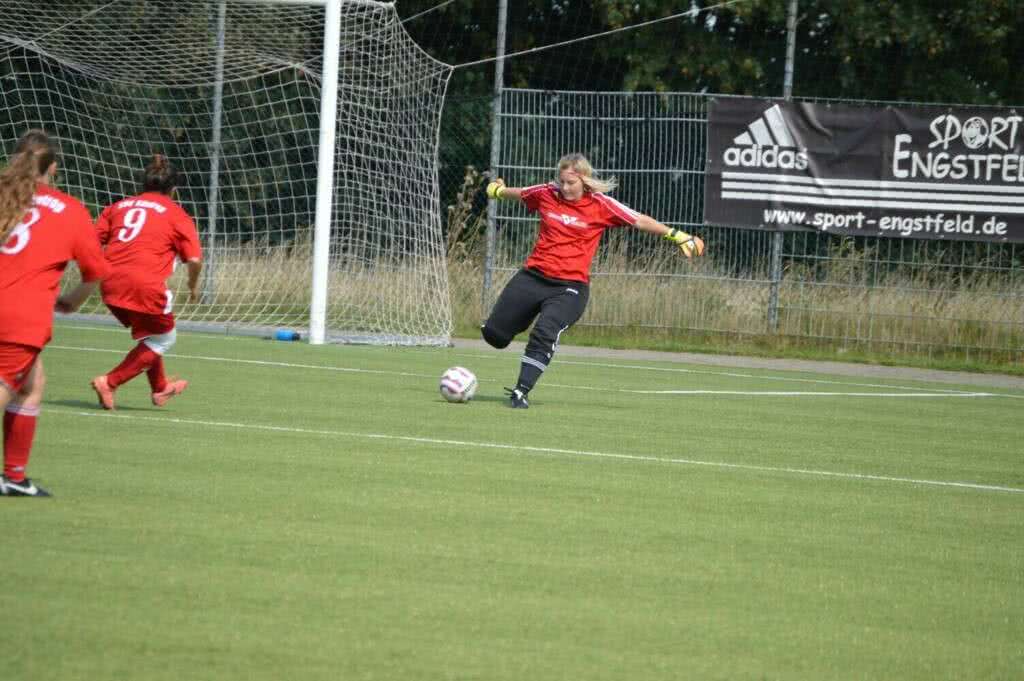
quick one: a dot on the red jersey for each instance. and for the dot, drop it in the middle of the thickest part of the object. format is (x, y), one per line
(56, 229)
(143, 235)
(570, 231)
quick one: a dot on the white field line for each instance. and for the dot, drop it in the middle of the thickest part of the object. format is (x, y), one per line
(543, 450)
(118, 329)
(783, 393)
(257, 362)
(768, 393)
(602, 365)
(734, 374)
(605, 365)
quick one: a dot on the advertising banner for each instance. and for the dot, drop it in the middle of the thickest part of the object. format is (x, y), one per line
(906, 171)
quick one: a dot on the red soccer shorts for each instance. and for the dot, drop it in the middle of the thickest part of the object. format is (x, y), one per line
(16, 361)
(143, 324)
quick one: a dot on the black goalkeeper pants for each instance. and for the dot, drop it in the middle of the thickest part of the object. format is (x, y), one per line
(556, 305)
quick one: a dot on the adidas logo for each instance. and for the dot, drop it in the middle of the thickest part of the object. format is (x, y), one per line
(771, 129)
(767, 143)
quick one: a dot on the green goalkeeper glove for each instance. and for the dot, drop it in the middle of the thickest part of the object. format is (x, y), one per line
(495, 189)
(690, 245)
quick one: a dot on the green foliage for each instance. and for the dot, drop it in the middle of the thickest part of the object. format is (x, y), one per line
(914, 50)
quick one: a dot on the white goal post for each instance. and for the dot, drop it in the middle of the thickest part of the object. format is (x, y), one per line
(307, 131)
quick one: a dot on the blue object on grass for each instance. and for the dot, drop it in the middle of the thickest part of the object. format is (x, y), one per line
(287, 335)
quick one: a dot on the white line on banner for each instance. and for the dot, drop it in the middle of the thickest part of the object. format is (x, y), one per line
(882, 193)
(877, 184)
(862, 203)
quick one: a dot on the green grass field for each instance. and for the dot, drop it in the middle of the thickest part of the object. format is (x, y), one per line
(320, 513)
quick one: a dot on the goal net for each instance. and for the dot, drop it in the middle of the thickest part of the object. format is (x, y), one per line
(231, 90)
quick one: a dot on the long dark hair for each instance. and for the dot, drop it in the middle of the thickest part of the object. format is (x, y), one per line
(32, 156)
(160, 176)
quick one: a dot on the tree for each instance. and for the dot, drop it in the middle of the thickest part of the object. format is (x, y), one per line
(913, 50)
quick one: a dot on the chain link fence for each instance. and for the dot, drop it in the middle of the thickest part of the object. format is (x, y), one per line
(944, 299)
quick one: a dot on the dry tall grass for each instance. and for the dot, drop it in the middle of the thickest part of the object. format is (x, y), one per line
(847, 301)
(983, 317)
(257, 285)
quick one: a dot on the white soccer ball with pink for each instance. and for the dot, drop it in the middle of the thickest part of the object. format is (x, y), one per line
(458, 384)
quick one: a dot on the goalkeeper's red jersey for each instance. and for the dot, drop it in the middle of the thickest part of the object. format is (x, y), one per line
(570, 231)
(56, 229)
(143, 236)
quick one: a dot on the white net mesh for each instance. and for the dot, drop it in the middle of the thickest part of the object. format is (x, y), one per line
(230, 91)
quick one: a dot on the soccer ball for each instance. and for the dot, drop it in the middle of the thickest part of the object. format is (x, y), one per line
(458, 384)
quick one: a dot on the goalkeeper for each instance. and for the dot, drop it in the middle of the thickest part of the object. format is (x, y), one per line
(553, 286)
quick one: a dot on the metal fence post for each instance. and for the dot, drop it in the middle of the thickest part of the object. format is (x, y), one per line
(213, 198)
(775, 282)
(492, 207)
(778, 236)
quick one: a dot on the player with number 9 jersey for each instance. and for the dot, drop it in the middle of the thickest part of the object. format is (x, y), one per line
(41, 229)
(143, 236)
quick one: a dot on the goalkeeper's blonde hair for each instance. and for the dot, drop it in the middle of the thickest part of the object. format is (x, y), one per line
(579, 164)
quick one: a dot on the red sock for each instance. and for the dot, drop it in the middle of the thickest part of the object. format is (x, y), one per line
(137, 361)
(19, 431)
(155, 374)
